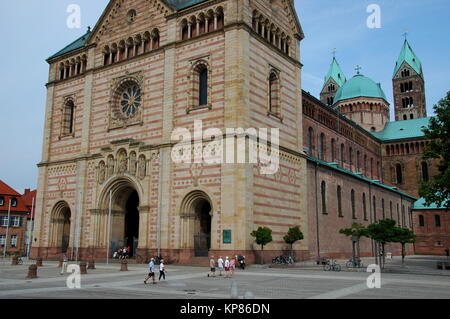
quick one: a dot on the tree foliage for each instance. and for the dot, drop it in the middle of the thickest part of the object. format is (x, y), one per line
(263, 236)
(384, 231)
(294, 234)
(437, 189)
(356, 230)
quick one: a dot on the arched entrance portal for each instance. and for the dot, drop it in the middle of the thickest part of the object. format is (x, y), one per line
(196, 223)
(202, 237)
(124, 231)
(60, 227)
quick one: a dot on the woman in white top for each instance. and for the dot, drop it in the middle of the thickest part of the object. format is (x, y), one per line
(162, 270)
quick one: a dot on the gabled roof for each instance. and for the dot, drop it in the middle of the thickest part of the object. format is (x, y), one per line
(335, 73)
(420, 205)
(359, 86)
(5, 189)
(408, 56)
(75, 45)
(399, 130)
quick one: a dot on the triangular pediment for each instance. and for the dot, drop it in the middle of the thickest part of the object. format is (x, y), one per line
(291, 14)
(116, 14)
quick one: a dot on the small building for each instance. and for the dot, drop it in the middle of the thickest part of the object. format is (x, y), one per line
(432, 228)
(12, 231)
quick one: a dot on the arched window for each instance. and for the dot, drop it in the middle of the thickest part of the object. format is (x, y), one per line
(333, 149)
(425, 176)
(323, 191)
(184, 30)
(364, 206)
(390, 209)
(274, 93)
(399, 174)
(358, 163)
(350, 158)
(353, 204)
(310, 141)
(342, 154)
(437, 220)
(201, 83)
(403, 216)
(382, 208)
(106, 56)
(68, 118)
(374, 208)
(155, 39)
(220, 19)
(339, 198)
(421, 221)
(322, 147)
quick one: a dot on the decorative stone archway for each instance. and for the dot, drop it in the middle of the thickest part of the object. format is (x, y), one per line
(196, 214)
(126, 219)
(60, 227)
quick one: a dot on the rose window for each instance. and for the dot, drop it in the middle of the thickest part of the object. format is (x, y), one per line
(130, 101)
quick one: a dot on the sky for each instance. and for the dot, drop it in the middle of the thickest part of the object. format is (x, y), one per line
(31, 31)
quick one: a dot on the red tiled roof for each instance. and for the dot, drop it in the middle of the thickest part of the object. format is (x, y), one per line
(7, 193)
(7, 190)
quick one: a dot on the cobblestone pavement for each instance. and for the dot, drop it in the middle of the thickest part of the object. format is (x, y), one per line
(107, 281)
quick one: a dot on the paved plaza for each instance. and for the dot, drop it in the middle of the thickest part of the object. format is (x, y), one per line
(419, 279)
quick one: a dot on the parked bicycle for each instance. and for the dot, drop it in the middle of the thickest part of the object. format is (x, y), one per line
(355, 263)
(283, 260)
(332, 266)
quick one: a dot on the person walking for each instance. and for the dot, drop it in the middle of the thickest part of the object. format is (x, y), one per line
(220, 264)
(232, 266)
(227, 267)
(212, 267)
(162, 270)
(64, 264)
(151, 271)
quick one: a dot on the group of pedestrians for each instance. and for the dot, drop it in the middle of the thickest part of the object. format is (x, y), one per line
(228, 266)
(151, 271)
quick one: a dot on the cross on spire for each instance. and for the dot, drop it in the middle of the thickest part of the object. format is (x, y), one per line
(358, 69)
(405, 34)
(334, 52)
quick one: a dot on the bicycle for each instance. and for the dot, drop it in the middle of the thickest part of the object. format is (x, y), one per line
(332, 266)
(19, 261)
(355, 263)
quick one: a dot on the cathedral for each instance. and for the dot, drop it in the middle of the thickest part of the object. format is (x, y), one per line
(107, 178)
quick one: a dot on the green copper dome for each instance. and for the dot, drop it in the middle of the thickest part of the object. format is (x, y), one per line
(359, 86)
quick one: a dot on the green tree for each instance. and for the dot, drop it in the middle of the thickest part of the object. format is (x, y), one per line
(403, 236)
(263, 236)
(437, 189)
(382, 232)
(356, 231)
(294, 234)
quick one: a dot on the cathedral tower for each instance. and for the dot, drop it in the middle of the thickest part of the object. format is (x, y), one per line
(334, 80)
(409, 86)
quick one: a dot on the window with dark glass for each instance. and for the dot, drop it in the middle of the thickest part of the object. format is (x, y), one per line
(437, 220)
(425, 175)
(353, 204)
(339, 197)
(364, 206)
(203, 86)
(323, 190)
(421, 221)
(399, 175)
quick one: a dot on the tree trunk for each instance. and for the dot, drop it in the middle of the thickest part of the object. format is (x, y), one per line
(403, 254)
(262, 254)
